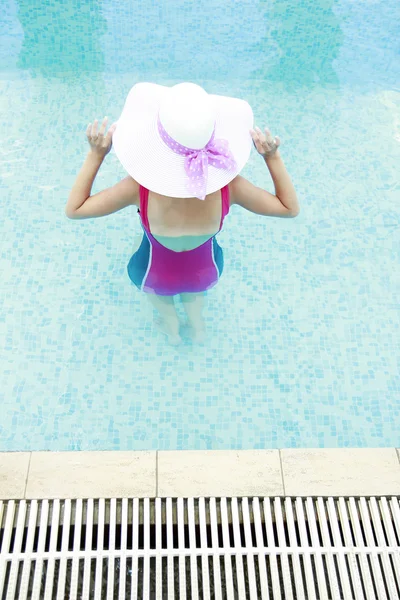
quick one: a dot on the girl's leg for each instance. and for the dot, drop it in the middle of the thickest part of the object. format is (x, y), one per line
(169, 319)
(194, 305)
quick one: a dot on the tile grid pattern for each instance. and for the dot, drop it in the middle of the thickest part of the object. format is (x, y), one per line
(304, 329)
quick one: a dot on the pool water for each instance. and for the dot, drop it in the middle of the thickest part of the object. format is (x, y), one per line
(303, 330)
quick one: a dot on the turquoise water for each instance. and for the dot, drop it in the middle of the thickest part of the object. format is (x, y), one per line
(303, 329)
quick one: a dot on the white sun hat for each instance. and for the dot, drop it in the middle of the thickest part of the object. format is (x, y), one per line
(180, 141)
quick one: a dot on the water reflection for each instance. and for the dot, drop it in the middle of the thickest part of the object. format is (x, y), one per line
(61, 37)
(280, 41)
(303, 41)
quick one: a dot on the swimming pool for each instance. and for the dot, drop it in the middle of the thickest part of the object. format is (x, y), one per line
(304, 337)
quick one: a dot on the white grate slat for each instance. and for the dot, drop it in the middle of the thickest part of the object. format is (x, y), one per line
(55, 519)
(100, 546)
(280, 528)
(386, 566)
(111, 545)
(214, 549)
(260, 545)
(227, 544)
(170, 548)
(29, 547)
(390, 532)
(241, 586)
(250, 557)
(122, 560)
(364, 567)
(215, 545)
(64, 548)
(315, 544)
(394, 505)
(192, 543)
(337, 543)
(36, 590)
(158, 519)
(268, 524)
(295, 556)
(17, 548)
(359, 595)
(333, 581)
(146, 548)
(204, 554)
(378, 578)
(2, 561)
(310, 584)
(135, 547)
(181, 545)
(77, 543)
(88, 546)
(7, 534)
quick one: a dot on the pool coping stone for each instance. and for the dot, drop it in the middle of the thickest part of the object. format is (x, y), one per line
(198, 473)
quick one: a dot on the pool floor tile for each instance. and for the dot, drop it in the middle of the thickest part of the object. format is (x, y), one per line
(91, 475)
(13, 473)
(219, 473)
(341, 472)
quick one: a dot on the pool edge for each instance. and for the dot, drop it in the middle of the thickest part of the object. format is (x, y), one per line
(218, 473)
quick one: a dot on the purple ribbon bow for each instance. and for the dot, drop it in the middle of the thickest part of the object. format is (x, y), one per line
(215, 153)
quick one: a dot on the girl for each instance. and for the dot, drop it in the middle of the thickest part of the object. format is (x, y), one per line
(183, 150)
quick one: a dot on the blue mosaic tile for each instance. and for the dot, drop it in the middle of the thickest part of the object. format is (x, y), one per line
(303, 329)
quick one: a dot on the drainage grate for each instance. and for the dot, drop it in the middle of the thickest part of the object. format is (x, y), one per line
(222, 548)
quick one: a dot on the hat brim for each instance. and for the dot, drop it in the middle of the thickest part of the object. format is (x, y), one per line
(151, 163)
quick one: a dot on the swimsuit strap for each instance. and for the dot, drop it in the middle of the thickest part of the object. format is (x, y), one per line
(225, 204)
(144, 201)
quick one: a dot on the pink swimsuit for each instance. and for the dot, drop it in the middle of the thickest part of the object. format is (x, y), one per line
(158, 270)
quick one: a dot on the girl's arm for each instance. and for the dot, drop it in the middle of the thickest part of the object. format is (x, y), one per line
(284, 203)
(80, 204)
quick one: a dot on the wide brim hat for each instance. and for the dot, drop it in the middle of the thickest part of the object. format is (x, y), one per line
(152, 163)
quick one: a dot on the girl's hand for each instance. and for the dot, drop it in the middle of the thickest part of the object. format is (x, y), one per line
(100, 144)
(265, 145)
